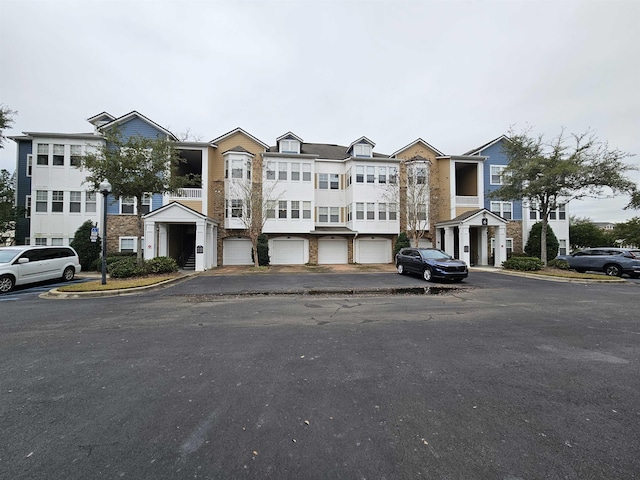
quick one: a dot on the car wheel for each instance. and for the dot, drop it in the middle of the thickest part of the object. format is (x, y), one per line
(6, 283)
(613, 270)
(400, 269)
(68, 274)
(427, 274)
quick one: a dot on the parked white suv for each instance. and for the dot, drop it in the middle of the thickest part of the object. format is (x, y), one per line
(27, 264)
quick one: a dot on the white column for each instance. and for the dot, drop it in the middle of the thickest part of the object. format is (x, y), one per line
(483, 245)
(149, 245)
(464, 244)
(163, 243)
(200, 245)
(500, 245)
(448, 240)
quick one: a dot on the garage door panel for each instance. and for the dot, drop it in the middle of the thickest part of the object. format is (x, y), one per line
(333, 251)
(287, 252)
(376, 250)
(236, 251)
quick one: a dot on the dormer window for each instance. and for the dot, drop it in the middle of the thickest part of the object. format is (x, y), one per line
(289, 145)
(362, 150)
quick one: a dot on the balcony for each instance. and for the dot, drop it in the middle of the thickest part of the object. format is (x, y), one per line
(187, 194)
(467, 201)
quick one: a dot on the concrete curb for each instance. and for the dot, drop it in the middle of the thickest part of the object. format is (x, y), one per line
(54, 293)
(551, 278)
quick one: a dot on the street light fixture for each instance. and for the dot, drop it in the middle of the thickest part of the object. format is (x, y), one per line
(105, 190)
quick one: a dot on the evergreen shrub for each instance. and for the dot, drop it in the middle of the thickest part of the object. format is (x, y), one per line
(523, 264)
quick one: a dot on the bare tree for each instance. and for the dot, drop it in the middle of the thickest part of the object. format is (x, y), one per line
(252, 200)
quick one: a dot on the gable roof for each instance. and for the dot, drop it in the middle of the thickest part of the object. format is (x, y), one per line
(136, 114)
(103, 116)
(238, 149)
(471, 218)
(178, 206)
(361, 140)
(289, 134)
(415, 142)
(243, 132)
(476, 151)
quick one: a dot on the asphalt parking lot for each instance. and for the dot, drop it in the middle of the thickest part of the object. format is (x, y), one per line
(508, 378)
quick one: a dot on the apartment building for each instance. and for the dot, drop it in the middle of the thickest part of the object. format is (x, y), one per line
(322, 203)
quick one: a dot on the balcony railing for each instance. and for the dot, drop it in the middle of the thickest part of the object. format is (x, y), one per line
(467, 201)
(188, 194)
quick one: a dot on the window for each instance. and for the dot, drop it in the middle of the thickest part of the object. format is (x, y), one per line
(393, 211)
(58, 155)
(562, 213)
(57, 242)
(362, 150)
(552, 214)
(226, 168)
(76, 155)
(371, 211)
(562, 247)
(306, 210)
(422, 212)
(323, 181)
(393, 175)
(27, 206)
(271, 171)
(29, 165)
(75, 201)
(57, 201)
(323, 214)
(42, 198)
(236, 208)
(127, 244)
(502, 208)
(43, 154)
(349, 213)
(248, 162)
(417, 175)
(382, 211)
(295, 172)
(146, 204)
(334, 181)
(382, 174)
(508, 246)
(306, 172)
(288, 146)
(90, 202)
(359, 174)
(496, 174)
(236, 168)
(282, 171)
(41, 242)
(127, 205)
(282, 209)
(371, 174)
(359, 211)
(271, 209)
(295, 209)
(348, 177)
(334, 214)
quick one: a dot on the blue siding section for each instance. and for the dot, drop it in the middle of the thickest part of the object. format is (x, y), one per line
(156, 201)
(113, 205)
(23, 188)
(139, 127)
(496, 157)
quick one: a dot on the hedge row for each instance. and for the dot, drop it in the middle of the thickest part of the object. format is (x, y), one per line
(127, 266)
(523, 263)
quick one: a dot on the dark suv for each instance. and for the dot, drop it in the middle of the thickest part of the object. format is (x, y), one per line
(430, 263)
(610, 260)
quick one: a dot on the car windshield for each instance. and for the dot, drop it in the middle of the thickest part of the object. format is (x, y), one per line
(7, 255)
(434, 254)
(635, 253)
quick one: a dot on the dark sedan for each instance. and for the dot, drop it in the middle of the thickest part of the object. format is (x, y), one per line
(430, 263)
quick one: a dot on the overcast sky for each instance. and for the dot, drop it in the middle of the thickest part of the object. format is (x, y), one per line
(455, 73)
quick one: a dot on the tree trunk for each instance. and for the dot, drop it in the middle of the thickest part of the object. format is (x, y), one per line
(254, 245)
(543, 239)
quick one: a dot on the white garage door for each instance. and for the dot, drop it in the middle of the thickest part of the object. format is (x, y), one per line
(236, 251)
(376, 250)
(287, 251)
(425, 243)
(333, 250)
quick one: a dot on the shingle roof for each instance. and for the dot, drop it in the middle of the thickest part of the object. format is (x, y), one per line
(326, 150)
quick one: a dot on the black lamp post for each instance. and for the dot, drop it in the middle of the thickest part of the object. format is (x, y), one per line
(105, 190)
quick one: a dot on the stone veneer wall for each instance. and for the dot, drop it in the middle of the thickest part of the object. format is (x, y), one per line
(120, 226)
(313, 249)
(514, 231)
